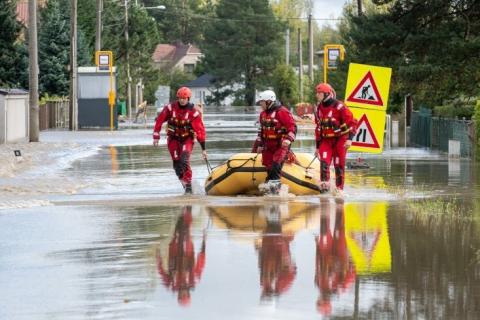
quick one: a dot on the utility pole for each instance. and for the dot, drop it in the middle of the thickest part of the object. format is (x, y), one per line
(359, 7)
(310, 48)
(300, 65)
(287, 46)
(73, 107)
(98, 25)
(127, 57)
(34, 127)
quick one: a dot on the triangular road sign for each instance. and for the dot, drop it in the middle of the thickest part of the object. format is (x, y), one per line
(365, 136)
(366, 92)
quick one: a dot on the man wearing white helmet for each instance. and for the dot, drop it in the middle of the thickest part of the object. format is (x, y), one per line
(277, 132)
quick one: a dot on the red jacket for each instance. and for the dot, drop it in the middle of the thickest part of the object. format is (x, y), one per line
(276, 124)
(183, 122)
(334, 119)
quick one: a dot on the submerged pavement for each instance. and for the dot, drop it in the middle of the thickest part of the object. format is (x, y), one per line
(95, 227)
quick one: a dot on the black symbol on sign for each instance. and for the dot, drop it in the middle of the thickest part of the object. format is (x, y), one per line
(362, 134)
(17, 153)
(365, 93)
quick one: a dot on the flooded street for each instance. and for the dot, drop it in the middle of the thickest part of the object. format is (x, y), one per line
(404, 242)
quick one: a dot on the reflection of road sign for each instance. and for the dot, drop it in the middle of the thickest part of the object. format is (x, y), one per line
(366, 92)
(366, 231)
(370, 129)
(368, 86)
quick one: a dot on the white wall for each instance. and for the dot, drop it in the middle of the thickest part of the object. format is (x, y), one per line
(3, 124)
(17, 118)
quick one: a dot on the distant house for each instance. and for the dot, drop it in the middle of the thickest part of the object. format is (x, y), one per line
(176, 56)
(22, 10)
(203, 87)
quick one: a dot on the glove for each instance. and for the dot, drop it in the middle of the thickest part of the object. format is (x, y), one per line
(156, 137)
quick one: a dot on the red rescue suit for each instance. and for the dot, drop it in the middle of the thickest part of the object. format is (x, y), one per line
(183, 269)
(184, 124)
(335, 125)
(277, 268)
(276, 125)
(334, 271)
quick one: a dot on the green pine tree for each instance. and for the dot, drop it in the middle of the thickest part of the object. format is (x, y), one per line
(431, 46)
(54, 48)
(13, 53)
(243, 45)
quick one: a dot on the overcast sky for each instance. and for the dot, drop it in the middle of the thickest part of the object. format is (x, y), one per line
(327, 9)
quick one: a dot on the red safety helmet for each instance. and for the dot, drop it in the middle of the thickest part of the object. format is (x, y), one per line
(326, 89)
(184, 93)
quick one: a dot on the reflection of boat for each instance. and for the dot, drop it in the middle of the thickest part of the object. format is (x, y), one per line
(243, 172)
(292, 217)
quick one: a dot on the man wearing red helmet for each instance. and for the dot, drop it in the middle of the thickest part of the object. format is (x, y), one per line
(277, 132)
(335, 130)
(184, 124)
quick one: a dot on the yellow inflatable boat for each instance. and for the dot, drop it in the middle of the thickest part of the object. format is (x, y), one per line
(243, 172)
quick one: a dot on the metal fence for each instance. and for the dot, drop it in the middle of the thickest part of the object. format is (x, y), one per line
(434, 132)
(54, 114)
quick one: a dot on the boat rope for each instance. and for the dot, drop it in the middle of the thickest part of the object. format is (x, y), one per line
(209, 166)
(254, 159)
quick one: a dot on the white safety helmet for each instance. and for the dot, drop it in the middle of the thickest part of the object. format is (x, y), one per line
(267, 95)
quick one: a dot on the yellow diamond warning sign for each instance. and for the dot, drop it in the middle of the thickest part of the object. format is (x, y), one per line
(367, 86)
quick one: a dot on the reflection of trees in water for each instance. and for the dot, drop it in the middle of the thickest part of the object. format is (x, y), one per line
(435, 271)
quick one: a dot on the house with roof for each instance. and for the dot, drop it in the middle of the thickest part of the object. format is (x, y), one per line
(203, 87)
(176, 56)
(22, 10)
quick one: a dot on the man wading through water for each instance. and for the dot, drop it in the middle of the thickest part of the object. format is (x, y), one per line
(277, 132)
(335, 130)
(184, 124)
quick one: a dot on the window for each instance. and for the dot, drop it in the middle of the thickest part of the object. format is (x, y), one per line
(188, 67)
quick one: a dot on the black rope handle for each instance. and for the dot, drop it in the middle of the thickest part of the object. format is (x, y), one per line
(309, 165)
(209, 166)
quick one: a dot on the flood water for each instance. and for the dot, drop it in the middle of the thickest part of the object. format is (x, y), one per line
(404, 242)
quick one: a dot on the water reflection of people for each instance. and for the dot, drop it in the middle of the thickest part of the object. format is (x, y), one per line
(277, 268)
(334, 270)
(183, 270)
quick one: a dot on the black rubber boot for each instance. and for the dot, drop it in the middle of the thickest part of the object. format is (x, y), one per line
(188, 188)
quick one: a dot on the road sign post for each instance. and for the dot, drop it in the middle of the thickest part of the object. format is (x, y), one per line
(104, 61)
(331, 54)
(367, 96)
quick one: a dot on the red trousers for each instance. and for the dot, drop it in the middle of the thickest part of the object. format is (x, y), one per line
(273, 157)
(180, 152)
(333, 149)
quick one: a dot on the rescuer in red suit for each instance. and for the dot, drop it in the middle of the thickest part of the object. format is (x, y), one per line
(184, 124)
(277, 268)
(183, 270)
(276, 134)
(334, 271)
(334, 132)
